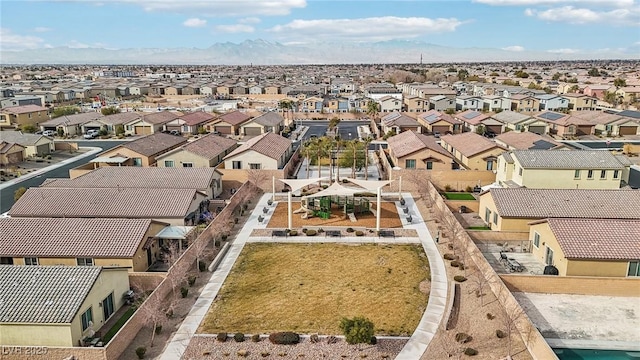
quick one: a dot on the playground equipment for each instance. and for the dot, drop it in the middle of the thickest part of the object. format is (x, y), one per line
(321, 206)
(306, 213)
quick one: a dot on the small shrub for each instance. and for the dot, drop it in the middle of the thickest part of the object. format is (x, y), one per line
(282, 354)
(158, 329)
(455, 263)
(332, 339)
(311, 233)
(140, 351)
(325, 186)
(463, 338)
(184, 292)
(235, 221)
(238, 337)
(350, 230)
(450, 257)
(373, 341)
(202, 266)
(192, 280)
(468, 189)
(222, 337)
(470, 352)
(169, 313)
(490, 316)
(459, 278)
(293, 233)
(255, 338)
(320, 231)
(501, 334)
(284, 338)
(242, 353)
(448, 188)
(304, 230)
(359, 233)
(314, 338)
(265, 354)
(358, 330)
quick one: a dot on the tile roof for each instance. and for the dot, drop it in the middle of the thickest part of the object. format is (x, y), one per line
(208, 146)
(270, 118)
(20, 138)
(472, 117)
(196, 117)
(154, 144)
(433, 116)
(71, 237)
(470, 143)
(571, 203)
(161, 117)
(234, 117)
(574, 159)
(398, 119)
(121, 118)
(44, 294)
(140, 177)
(104, 203)
(6, 146)
(75, 119)
(268, 144)
(24, 109)
(610, 239)
(409, 142)
(524, 140)
(510, 117)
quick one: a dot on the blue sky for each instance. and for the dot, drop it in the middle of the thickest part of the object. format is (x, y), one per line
(562, 26)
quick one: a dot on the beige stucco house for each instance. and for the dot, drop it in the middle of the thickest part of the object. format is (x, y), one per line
(410, 150)
(66, 304)
(19, 116)
(11, 153)
(141, 152)
(472, 151)
(268, 122)
(268, 151)
(34, 145)
(207, 151)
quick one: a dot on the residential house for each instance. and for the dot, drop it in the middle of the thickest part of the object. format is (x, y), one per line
(268, 151)
(270, 121)
(516, 140)
(389, 104)
(440, 123)
(469, 102)
(208, 89)
(442, 103)
(629, 94)
(411, 150)
(337, 105)
(588, 247)
(312, 104)
(58, 306)
(471, 120)
(111, 123)
(512, 209)
(151, 123)
(11, 153)
(19, 116)
(524, 103)
(20, 100)
(576, 169)
(609, 124)
(229, 123)
(553, 102)
(126, 243)
(397, 123)
(191, 90)
(565, 125)
(256, 90)
(472, 151)
(272, 90)
(173, 206)
(515, 121)
(412, 103)
(598, 91)
(580, 101)
(140, 152)
(190, 123)
(34, 144)
(207, 151)
(71, 124)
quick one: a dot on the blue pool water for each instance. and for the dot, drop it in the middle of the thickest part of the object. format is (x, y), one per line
(586, 354)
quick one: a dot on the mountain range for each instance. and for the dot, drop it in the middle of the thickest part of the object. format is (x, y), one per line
(261, 52)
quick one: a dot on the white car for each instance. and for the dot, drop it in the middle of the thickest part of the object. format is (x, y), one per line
(91, 134)
(49, 133)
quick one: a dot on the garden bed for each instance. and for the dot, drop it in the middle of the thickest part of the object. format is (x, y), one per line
(458, 196)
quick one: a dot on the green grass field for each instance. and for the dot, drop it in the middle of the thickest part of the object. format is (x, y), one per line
(458, 196)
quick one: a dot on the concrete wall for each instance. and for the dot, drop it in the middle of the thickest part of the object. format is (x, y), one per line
(18, 353)
(71, 146)
(146, 281)
(576, 285)
(458, 180)
(36, 335)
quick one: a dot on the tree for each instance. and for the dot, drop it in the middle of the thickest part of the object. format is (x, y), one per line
(367, 141)
(611, 98)
(521, 74)
(574, 88)
(64, 110)
(119, 129)
(109, 110)
(556, 76)
(353, 157)
(333, 122)
(18, 193)
(618, 83)
(593, 72)
(306, 152)
(480, 281)
(28, 128)
(358, 330)
(512, 314)
(152, 307)
(463, 74)
(257, 177)
(372, 109)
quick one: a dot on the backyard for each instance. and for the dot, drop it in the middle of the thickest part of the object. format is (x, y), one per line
(458, 196)
(309, 288)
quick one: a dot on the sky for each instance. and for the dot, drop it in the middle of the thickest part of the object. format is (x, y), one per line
(554, 26)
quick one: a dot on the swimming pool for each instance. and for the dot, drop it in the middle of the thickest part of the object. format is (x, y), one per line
(587, 354)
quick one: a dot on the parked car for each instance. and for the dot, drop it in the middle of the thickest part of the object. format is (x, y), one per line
(49, 133)
(91, 134)
(175, 132)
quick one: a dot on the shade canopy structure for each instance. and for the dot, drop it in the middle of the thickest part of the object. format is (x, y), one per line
(336, 189)
(371, 185)
(175, 233)
(110, 160)
(298, 184)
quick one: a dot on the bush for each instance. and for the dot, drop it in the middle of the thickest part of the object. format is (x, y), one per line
(501, 334)
(222, 337)
(332, 339)
(450, 257)
(448, 188)
(468, 189)
(350, 230)
(455, 263)
(184, 291)
(470, 352)
(373, 340)
(255, 338)
(238, 337)
(459, 278)
(140, 351)
(311, 233)
(284, 338)
(320, 231)
(463, 338)
(490, 316)
(293, 233)
(304, 230)
(158, 329)
(314, 338)
(192, 280)
(202, 266)
(358, 330)
(359, 233)
(265, 354)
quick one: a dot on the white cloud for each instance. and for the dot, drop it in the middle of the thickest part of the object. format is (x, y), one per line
(236, 28)
(564, 51)
(570, 14)
(366, 29)
(42, 29)
(75, 44)
(513, 48)
(221, 8)
(194, 22)
(10, 41)
(249, 20)
(610, 3)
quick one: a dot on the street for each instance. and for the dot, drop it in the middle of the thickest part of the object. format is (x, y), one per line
(348, 130)
(6, 194)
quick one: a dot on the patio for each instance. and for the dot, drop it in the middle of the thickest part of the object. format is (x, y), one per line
(530, 264)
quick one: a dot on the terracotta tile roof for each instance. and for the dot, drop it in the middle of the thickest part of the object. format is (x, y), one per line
(409, 142)
(270, 118)
(469, 143)
(607, 239)
(75, 119)
(234, 118)
(141, 177)
(24, 109)
(209, 146)
(161, 117)
(575, 159)
(570, 203)
(6, 146)
(433, 116)
(71, 237)
(121, 118)
(268, 144)
(153, 144)
(134, 203)
(472, 117)
(44, 294)
(24, 139)
(398, 119)
(510, 117)
(524, 140)
(197, 117)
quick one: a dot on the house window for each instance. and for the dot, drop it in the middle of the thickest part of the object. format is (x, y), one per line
(603, 174)
(495, 218)
(520, 171)
(254, 166)
(590, 174)
(536, 240)
(576, 174)
(429, 165)
(85, 261)
(634, 268)
(168, 163)
(129, 127)
(87, 317)
(31, 261)
(490, 165)
(518, 127)
(616, 174)
(410, 164)
(187, 164)
(107, 307)
(137, 162)
(237, 164)
(487, 215)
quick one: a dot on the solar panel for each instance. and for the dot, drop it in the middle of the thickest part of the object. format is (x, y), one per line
(542, 145)
(551, 116)
(471, 115)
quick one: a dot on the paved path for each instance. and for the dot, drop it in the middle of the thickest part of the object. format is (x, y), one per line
(418, 342)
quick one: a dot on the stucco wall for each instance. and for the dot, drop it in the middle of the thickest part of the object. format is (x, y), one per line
(180, 157)
(578, 285)
(252, 157)
(36, 335)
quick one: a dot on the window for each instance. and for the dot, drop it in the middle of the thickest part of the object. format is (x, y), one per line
(590, 174)
(31, 261)
(616, 174)
(634, 268)
(87, 317)
(137, 162)
(187, 164)
(254, 166)
(495, 218)
(487, 216)
(520, 171)
(237, 164)
(168, 163)
(490, 165)
(429, 165)
(410, 164)
(603, 174)
(518, 127)
(536, 239)
(576, 174)
(107, 307)
(85, 261)
(129, 127)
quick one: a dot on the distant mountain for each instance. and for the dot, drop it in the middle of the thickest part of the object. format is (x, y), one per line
(261, 52)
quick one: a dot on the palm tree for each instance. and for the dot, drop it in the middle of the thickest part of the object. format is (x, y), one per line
(353, 146)
(366, 141)
(306, 152)
(372, 109)
(320, 147)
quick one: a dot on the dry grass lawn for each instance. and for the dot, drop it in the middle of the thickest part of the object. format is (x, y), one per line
(308, 288)
(388, 218)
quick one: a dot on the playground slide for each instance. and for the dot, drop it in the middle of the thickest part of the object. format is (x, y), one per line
(306, 213)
